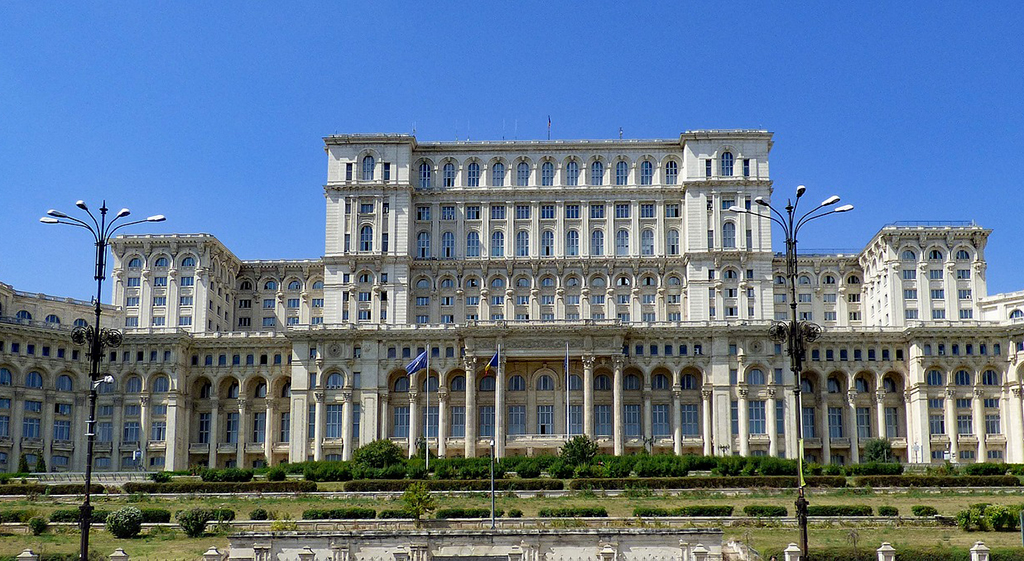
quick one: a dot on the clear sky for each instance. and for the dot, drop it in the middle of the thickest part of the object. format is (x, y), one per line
(213, 113)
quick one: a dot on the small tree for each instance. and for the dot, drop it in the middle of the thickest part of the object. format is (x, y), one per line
(40, 464)
(878, 450)
(37, 525)
(378, 454)
(125, 523)
(193, 521)
(418, 500)
(22, 464)
(578, 451)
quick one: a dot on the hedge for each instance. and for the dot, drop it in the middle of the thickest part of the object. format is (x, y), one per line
(467, 513)
(57, 489)
(572, 512)
(396, 485)
(924, 510)
(765, 510)
(158, 515)
(985, 469)
(780, 481)
(71, 515)
(696, 510)
(234, 475)
(839, 510)
(394, 513)
(936, 481)
(352, 513)
(217, 487)
(18, 515)
(888, 511)
(874, 468)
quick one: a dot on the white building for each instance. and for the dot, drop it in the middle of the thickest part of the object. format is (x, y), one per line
(622, 250)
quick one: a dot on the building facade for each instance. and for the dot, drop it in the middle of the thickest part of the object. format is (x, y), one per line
(628, 302)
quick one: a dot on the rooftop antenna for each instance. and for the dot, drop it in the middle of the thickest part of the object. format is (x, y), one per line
(516, 129)
(503, 129)
(549, 127)
(414, 128)
(620, 133)
(467, 130)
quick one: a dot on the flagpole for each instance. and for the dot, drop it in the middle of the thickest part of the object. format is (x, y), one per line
(568, 432)
(426, 420)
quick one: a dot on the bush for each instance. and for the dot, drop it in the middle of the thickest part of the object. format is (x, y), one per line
(324, 471)
(23, 464)
(125, 523)
(578, 451)
(276, 473)
(649, 511)
(984, 469)
(716, 510)
(226, 475)
(878, 450)
(40, 466)
(529, 470)
(384, 485)
(193, 521)
(393, 513)
(468, 513)
(515, 513)
(660, 466)
(418, 500)
(378, 454)
(924, 510)
(617, 466)
(562, 470)
(20, 516)
(71, 489)
(160, 477)
(27, 489)
(765, 510)
(779, 481)
(352, 513)
(37, 525)
(572, 512)
(972, 519)
(72, 514)
(836, 511)
(874, 468)
(185, 487)
(1002, 518)
(936, 481)
(260, 514)
(155, 515)
(888, 511)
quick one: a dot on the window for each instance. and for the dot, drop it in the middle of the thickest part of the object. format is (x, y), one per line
(646, 173)
(522, 243)
(400, 422)
(835, 422)
(757, 423)
(572, 243)
(603, 420)
(672, 242)
(498, 174)
(729, 235)
(596, 173)
(33, 380)
(690, 420)
(425, 175)
(498, 244)
(725, 168)
(596, 210)
(547, 174)
(572, 211)
(622, 242)
(621, 173)
(672, 210)
(572, 173)
(597, 242)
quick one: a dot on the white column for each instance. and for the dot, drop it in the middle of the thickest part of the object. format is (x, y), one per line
(144, 418)
(499, 410)
(243, 437)
(648, 431)
(978, 412)
(177, 433)
(319, 424)
(346, 425)
(617, 431)
(677, 420)
(826, 439)
(268, 431)
(1015, 454)
(414, 421)
(214, 431)
(880, 412)
(442, 422)
(588, 396)
(471, 414)
(950, 412)
(744, 414)
(854, 437)
(706, 425)
(772, 421)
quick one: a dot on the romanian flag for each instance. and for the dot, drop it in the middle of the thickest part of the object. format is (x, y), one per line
(493, 364)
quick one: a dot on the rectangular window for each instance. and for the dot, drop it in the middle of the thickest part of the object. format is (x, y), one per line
(647, 210)
(690, 420)
(547, 211)
(486, 427)
(809, 426)
(603, 420)
(935, 274)
(575, 419)
(672, 210)
(964, 294)
(447, 212)
(187, 281)
(269, 322)
(835, 422)
(892, 422)
(596, 210)
(203, 435)
(992, 424)
(131, 431)
(545, 419)
(517, 419)
(497, 212)
(572, 211)
(231, 428)
(964, 424)
(632, 420)
(158, 431)
(62, 430)
(963, 274)
(757, 421)
(936, 424)
(734, 417)
(966, 314)
(522, 212)
(863, 422)
(473, 212)
(105, 431)
(159, 281)
(939, 314)
(333, 426)
(400, 425)
(185, 301)
(458, 426)
(423, 212)
(621, 210)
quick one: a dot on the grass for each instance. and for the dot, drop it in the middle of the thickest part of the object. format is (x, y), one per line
(172, 545)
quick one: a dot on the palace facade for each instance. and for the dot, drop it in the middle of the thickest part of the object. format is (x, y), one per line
(616, 258)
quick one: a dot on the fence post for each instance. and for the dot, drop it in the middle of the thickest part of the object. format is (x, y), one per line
(979, 552)
(118, 555)
(792, 553)
(700, 553)
(887, 552)
(27, 555)
(213, 554)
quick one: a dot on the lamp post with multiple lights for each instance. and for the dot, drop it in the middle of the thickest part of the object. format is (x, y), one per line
(92, 335)
(795, 333)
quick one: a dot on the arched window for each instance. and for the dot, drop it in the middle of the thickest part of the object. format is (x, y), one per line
(575, 383)
(547, 281)
(861, 385)
(135, 263)
(671, 172)
(522, 174)
(1016, 314)
(675, 281)
(188, 262)
(64, 383)
(498, 175)
(963, 378)
(730, 274)
(935, 378)
(602, 383)
(205, 391)
(689, 382)
(286, 390)
(622, 281)
(727, 164)
(755, 377)
(522, 243)
(246, 285)
(908, 255)
(133, 385)
(458, 384)
(52, 319)
(597, 173)
(473, 175)
(935, 255)
(547, 174)
(523, 282)
(80, 322)
(294, 285)
(547, 243)
(672, 242)
(806, 386)
(487, 384)
(161, 384)
(963, 255)
(432, 382)
(448, 174)
(516, 384)
(423, 245)
(833, 385)
(572, 243)
(647, 242)
(34, 380)
(572, 173)
(804, 279)
(447, 283)
(545, 384)
(5, 377)
(828, 279)
(472, 244)
(105, 387)
(270, 285)
(402, 384)
(366, 238)
(648, 281)
(335, 381)
(425, 175)
(646, 173)
(631, 382)
(23, 315)
(622, 242)
(659, 382)
(597, 242)
(572, 281)
(498, 282)
(729, 235)
(597, 282)
(889, 385)
(447, 245)
(368, 164)
(990, 378)
(498, 244)
(621, 173)
(261, 391)
(423, 283)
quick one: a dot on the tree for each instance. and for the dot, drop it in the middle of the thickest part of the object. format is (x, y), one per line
(418, 500)
(378, 454)
(878, 450)
(40, 464)
(193, 521)
(578, 451)
(23, 464)
(125, 523)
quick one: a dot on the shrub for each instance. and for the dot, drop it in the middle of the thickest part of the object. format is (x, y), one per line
(936, 481)
(874, 468)
(260, 514)
(530, 469)
(160, 477)
(193, 521)
(378, 454)
(715, 510)
(924, 510)
(765, 510)
(467, 513)
(20, 516)
(562, 470)
(125, 523)
(40, 466)
(227, 475)
(580, 450)
(515, 513)
(984, 469)
(37, 525)
(184, 487)
(324, 471)
(836, 511)
(878, 450)
(971, 519)
(572, 512)
(155, 515)
(393, 513)
(23, 464)
(1002, 518)
(888, 511)
(779, 481)
(380, 485)
(71, 489)
(24, 489)
(72, 514)
(617, 466)
(649, 511)
(276, 473)
(660, 466)
(352, 513)
(418, 500)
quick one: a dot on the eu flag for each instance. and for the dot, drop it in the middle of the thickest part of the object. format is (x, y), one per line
(417, 364)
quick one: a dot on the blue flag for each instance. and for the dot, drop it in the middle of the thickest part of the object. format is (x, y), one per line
(417, 364)
(493, 364)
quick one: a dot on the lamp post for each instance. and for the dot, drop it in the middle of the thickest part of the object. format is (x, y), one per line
(796, 333)
(92, 335)
(492, 483)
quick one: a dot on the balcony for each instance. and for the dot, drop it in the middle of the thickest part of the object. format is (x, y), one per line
(227, 448)
(899, 442)
(199, 448)
(129, 445)
(254, 447)
(156, 445)
(27, 442)
(841, 442)
(6, 441)
(62, 446)
(812, 443)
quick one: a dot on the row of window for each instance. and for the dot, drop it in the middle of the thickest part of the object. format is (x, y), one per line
(521, 247)
(293, 285)
(51, 319)
(547, 211)
(524, 174)
(44, 350)
(544, 382)
(935, 255)
(187, 262)
(34, 379)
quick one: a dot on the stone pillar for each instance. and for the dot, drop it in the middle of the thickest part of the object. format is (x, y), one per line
(772, 421)
(887, 552)
(81, 426)
(950, 411)
(176, 432)
(588, 396)
(213, 554)
(346, 425)
(499, 410)
(319, 424)
(648, 428)
(851, 404)
(214, 432)
(1016, 426)
(414, 421)
(268, 431)
(706, 424)
(978, 412)
(617, 412)
(880, 413)
(471, 414)
(144, 419)
(243, 436)
(677, 420)
(442, 422)
(744, 415)
(385, 418)
(979, 552)
(821, 412)
(792, 553)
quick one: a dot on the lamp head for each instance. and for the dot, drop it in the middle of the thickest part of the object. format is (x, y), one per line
(760, 201)
(156, 218)
(735, 208)
(48, 220)
(56, 213)
(122, 213)
(830, 201)
(844, 208)
(82, 205)
(800, 190)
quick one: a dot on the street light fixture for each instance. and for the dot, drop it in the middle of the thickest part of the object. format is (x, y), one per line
(492, 483)
(92, 335)
(795, 332)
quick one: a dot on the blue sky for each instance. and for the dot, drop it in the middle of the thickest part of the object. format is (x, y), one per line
(213, 113)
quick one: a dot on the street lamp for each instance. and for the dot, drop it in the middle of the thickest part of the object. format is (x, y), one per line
(492, 483)
(795, 332)
(92, 335)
